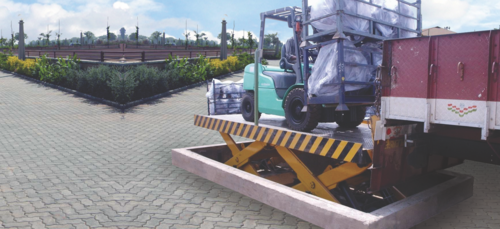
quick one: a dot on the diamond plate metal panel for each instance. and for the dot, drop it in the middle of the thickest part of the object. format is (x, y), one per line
(408, 69)
(470, 50)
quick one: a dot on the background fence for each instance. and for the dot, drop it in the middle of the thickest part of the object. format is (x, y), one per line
(138, 53)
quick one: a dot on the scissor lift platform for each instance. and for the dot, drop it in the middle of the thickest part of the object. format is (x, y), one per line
(315, 176)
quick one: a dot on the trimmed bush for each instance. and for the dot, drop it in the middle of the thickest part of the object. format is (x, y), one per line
(24, 67)
(123, 84)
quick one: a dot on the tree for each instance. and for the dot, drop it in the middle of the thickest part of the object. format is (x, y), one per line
(122, 33)
(58, 41)
(11, 41)
(186, 34)
(228, 35)
(198, 36)
(273, 38)
(232, 40)
(250, 39)
(156, 36)
(107, 35)
(242, 40)
(137, 34)
(2, 41)
(17, 36)
(206, 40)
(46, 35)
(89, 35)
(112, 36)
(132, 36)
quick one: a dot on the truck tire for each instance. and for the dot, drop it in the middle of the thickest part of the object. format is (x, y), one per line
(346, 122)
(247, 106)
(297, 120)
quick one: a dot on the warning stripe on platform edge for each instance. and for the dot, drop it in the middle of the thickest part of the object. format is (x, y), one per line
(327, 147)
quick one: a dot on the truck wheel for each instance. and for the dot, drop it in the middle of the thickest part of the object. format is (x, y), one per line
(347, 122)
(297, 120)
(247, 106)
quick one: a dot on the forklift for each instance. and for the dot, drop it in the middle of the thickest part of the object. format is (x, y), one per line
(283, 90)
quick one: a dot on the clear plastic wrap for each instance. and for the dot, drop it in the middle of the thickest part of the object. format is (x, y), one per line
(386, 16)
(408, 22)
(325, 79)
(373, 54)
(226, 98)
(320, 8)
(225, 88)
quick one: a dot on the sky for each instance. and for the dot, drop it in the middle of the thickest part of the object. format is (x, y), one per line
(171, 16)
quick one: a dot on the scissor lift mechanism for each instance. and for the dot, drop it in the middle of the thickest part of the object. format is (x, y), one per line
(289, 144)
(330, 177)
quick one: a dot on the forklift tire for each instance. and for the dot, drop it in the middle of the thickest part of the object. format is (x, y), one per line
(297, 120)
(247, 106)
(347, 122)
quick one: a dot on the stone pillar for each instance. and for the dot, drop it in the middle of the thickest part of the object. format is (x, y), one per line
(223, 41)
(81, 38)
(163, 41)
(21, 53)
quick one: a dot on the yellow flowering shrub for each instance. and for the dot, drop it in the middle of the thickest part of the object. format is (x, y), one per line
(219, 67)
(24, 67)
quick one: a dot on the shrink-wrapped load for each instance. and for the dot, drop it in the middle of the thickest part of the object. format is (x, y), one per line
(321, 8)
(408, 22)
(224, 97)
(386, 16)
(325, 80)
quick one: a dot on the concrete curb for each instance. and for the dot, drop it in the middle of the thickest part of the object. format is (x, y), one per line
(125, 106)
(402, 214)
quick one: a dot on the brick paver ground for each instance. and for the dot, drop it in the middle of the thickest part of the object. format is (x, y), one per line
(67, 162)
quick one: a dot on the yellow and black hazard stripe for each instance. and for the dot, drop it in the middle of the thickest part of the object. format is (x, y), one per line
(327, 147)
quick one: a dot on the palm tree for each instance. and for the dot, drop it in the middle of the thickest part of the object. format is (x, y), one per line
(46, 35)
(206, 41)
(107, 35)
(137, 35)
(198, 36)
(250, 39)
(186, 34)
(58, 41)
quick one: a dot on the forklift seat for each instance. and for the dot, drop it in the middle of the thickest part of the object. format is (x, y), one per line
(282, 81)
(284, 64)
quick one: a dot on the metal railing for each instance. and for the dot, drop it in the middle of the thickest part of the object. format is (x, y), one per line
(109, 55)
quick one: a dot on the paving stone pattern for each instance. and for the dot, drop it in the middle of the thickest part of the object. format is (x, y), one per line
(68, 162)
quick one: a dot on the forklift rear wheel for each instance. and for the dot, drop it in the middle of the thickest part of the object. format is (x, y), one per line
(347, 122)
(296, 119)
(247, 106)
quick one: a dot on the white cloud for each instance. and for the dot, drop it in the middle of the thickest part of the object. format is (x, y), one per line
(120, 5)
(210, 36)
(91, 15)
(457, 14)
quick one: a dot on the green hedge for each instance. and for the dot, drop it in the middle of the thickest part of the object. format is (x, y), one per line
(124, 84)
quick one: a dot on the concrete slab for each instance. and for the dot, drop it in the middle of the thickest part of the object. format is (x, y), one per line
(402, 214)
